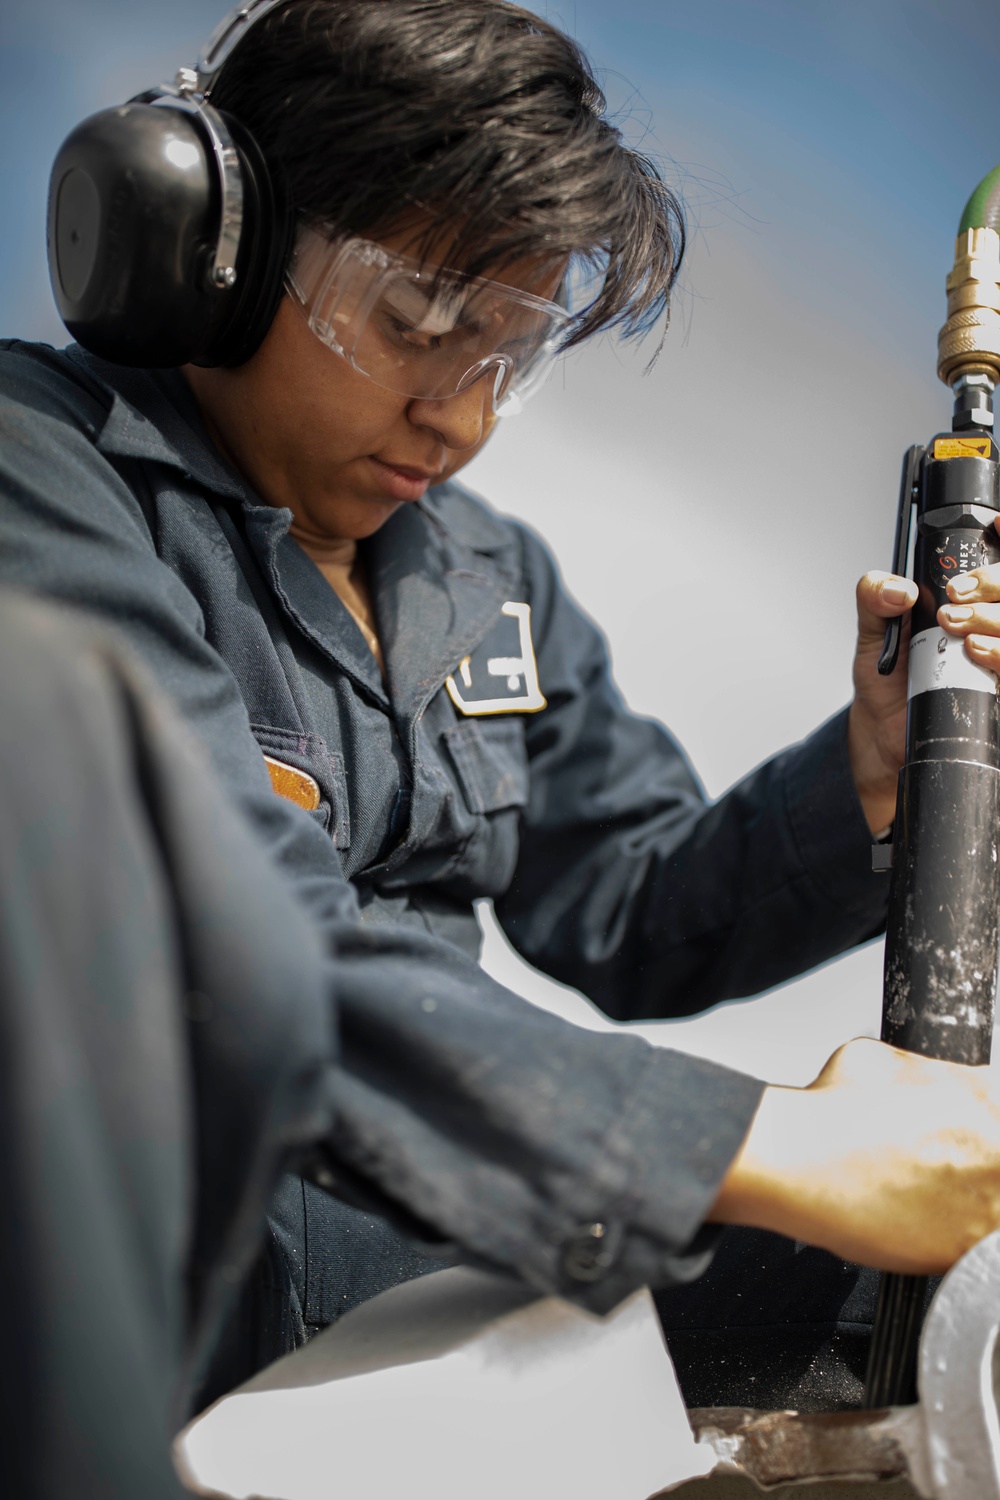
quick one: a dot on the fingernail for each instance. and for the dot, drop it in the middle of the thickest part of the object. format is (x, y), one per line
(965, 584)
(955, 613)
(895, 593)
(979, 644)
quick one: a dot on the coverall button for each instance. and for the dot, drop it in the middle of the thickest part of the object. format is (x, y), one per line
(590, 1251)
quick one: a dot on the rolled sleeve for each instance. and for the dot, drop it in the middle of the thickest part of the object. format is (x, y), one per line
(515, 1135)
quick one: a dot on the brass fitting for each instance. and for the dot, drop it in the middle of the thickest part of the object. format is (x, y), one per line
(969, 342)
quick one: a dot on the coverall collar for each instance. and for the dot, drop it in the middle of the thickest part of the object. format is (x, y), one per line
(438, 573)
(155, 419)
(438, 586)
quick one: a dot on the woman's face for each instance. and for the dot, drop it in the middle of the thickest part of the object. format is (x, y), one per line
(311, 433)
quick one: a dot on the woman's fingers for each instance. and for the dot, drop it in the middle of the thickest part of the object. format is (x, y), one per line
(981, 586)
(985, 651)
(880, 596)
(979, 623)
(970, 619)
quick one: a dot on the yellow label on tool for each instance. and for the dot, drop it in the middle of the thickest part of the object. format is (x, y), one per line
(962, 447)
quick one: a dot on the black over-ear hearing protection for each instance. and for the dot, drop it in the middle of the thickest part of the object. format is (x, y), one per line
(167, 237)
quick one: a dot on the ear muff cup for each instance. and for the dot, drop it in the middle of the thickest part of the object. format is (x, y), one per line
(134, 209)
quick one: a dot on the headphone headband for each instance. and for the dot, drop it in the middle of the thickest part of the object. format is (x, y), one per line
(222, 271)
(190, 91)
(226, 36)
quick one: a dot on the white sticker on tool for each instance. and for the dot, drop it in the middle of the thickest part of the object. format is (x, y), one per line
(939, 660)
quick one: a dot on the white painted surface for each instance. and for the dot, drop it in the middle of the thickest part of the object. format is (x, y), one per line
(447, 1388)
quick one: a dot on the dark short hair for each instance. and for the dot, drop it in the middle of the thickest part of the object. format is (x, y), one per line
(482, 117)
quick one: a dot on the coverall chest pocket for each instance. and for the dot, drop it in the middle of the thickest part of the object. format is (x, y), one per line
(491, 763)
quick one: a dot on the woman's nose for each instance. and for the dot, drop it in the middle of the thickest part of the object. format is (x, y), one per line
(461, 421)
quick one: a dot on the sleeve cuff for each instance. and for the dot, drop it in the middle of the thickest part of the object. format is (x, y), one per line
(688, 1120)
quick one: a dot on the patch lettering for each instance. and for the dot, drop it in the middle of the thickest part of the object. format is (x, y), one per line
(501, 675)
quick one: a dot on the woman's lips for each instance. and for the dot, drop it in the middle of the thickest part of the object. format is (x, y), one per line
(401, 484)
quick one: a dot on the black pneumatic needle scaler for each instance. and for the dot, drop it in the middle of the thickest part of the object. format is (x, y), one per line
(944, 899)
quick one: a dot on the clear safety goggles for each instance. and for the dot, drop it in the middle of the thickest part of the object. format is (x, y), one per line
(421, 330)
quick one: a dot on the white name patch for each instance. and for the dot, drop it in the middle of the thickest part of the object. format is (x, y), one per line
(501, 675)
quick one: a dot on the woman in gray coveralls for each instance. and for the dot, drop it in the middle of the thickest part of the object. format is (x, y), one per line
(282, 540)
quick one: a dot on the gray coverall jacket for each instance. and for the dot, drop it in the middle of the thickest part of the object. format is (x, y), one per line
(463, 1113)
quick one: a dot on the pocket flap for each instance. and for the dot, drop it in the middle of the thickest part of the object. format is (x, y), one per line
(491, 763)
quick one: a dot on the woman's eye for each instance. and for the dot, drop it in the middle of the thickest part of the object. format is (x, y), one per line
(408, 336)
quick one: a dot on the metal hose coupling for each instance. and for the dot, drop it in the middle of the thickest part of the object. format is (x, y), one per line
(969, 342)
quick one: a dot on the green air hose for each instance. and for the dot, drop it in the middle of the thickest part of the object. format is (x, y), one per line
(983, 208)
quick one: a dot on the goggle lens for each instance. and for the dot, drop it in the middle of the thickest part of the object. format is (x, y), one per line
(424, 331)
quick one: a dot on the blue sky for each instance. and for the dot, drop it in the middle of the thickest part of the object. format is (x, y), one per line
(883, 111)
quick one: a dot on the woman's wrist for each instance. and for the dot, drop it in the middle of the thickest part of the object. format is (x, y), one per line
(759, 1188)
(875, 777)
(804, 1169)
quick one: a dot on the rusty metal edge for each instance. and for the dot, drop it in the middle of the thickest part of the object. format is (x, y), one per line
(780, 1447)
